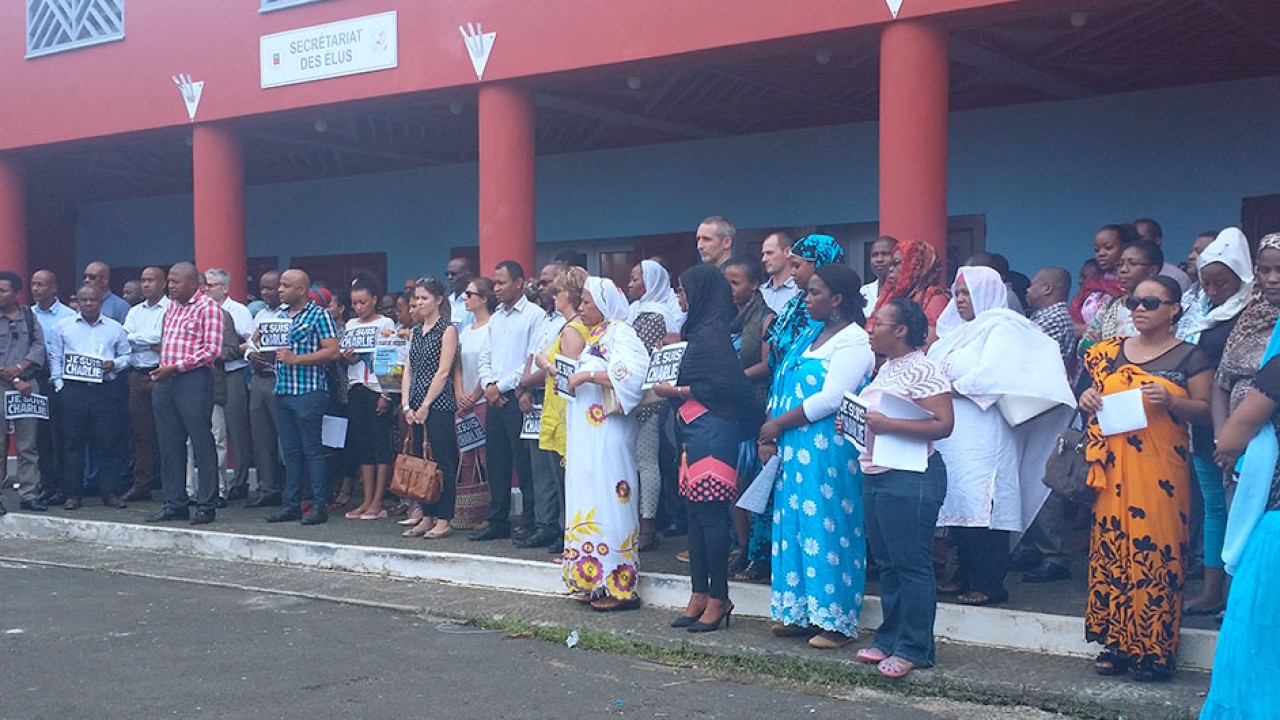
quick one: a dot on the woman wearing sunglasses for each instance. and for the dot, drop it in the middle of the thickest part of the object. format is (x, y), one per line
(1143, 485)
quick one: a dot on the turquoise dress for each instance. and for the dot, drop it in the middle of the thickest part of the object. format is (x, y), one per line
(819, 549)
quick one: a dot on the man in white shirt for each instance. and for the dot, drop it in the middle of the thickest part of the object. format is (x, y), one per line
(236, 411)
(262, 406)
(86, 352)
(881, 258)
(144, 326)
(49, 311)
(542, 506)
(511, 330)
(457, 275)
(775, 255)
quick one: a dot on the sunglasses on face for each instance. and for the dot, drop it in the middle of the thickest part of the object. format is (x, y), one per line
(1150, 302)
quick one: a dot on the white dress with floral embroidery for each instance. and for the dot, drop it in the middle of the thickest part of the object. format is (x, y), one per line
(601, 508)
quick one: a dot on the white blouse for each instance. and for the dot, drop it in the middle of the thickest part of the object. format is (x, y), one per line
(849, 362)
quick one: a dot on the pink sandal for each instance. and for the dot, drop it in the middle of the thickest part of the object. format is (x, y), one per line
(894, 667)
(872, 655)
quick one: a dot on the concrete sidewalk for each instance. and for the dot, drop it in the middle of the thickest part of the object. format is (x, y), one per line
(993, 676)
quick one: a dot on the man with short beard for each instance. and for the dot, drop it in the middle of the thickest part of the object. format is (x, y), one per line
(881, 258)
(145, 328)
(183, 396)
(775, 255)
(262, 405)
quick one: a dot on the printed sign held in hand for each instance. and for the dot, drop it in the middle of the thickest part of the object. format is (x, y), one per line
(17, 406)
(564, 368)
(664, 365)
(82, 368)
(273, 334)
(361, 339)
(853, 420)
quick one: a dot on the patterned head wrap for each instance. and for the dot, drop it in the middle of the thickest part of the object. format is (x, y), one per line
(821, 249)
(918, 276)
(1259, 316)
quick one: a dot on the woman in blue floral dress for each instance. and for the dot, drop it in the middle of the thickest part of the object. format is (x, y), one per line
(819, 549)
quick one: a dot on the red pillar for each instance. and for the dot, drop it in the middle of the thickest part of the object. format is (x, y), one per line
(507, 167)
(218, 165)
(13, 220)
(913, 133)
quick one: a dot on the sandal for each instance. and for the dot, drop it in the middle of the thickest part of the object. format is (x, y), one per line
(1146, 671)
(784, 630)
(756, 571)
(1110, 663)
(976, 598)
(827, 640)
(949, 588)
(872, 655)
(895, 668)
(608, 603)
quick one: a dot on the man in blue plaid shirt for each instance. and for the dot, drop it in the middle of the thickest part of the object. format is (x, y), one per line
(302, 392)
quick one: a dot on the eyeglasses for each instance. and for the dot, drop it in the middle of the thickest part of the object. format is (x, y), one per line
(472, 293)
(1150, 302)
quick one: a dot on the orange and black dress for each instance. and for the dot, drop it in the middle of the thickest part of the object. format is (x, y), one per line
(1140, 515)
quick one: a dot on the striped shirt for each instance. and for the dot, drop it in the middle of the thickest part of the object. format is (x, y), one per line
(311, 325)
(192, 335)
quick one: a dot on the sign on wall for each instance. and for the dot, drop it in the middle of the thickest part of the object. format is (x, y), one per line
(346, 47)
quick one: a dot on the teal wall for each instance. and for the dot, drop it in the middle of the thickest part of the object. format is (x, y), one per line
(1045, 176)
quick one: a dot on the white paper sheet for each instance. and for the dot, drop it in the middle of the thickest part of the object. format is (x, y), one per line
(899, 452)
(756, 497)
(333, 431)
(1122, 412)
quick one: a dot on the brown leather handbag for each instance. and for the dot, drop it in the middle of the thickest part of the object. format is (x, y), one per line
(416, 478)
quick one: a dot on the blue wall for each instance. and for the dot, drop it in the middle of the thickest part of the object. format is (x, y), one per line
(1046, 176)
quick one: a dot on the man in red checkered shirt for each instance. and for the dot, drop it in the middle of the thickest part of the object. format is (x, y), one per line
(183, 396)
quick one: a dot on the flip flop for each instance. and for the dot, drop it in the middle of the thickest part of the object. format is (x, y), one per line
(894, 667)
(872, 655)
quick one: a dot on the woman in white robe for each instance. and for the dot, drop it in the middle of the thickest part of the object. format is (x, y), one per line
(1011, 398)
(601, 561)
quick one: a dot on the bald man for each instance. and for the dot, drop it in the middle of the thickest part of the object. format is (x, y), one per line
(302, 393)
(98, 274)
(182, 396)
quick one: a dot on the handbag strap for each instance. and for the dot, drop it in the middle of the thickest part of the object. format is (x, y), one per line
(406, 448)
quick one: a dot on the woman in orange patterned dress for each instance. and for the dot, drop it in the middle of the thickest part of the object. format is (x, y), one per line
(1143, 484)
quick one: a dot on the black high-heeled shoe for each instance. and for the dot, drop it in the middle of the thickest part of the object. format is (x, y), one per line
(685, 621)
(701, 627)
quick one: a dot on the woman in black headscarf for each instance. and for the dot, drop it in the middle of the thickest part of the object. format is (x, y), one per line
(716, 412)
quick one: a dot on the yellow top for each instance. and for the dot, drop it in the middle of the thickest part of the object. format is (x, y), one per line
(553, 434)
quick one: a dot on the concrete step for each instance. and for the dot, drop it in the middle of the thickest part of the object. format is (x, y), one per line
(1021, 630)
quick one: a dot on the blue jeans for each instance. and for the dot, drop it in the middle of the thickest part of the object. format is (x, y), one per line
(1209, 476)
(298, 421)
(900, 511)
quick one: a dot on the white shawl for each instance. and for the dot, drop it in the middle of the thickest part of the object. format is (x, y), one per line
(1231, 249)
(658, 297)
(625, 356)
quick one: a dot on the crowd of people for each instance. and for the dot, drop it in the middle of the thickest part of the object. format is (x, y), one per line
(965, 387)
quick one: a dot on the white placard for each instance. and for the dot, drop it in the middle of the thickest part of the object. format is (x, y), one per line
(362, 339)
(18, 406)
(81, 367)
(333, 431)
(664, 364)
(756, 497)
(532, 427)
(899, 452)
(346, 47)
(273, 334)
(470, 432)
(564, 368)
(1122, 412)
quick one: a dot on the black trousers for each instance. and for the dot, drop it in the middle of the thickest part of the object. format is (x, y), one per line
(709, 547)
(984, 557)
(505, 453)
(442, 434)
(49, 445)
(184, 406)
(94, 419)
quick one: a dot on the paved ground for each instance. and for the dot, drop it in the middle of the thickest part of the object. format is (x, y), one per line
(1059, 598)
(79, 643)
(970, 673)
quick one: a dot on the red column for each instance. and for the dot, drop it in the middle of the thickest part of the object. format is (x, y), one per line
(13, 220)
(507, 166)
(218, 167)
(913, 133)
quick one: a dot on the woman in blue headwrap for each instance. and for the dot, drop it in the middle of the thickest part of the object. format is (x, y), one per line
(807, 254)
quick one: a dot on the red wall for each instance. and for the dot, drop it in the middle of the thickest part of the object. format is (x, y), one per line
(125, 86)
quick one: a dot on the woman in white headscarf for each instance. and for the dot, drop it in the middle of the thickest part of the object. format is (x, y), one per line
(1225, 270)
(654, 314)
(601, 560)
(1011, 398)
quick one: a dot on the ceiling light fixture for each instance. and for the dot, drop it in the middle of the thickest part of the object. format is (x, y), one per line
(634, 82)
(320, 125)
(1079, 18)
(822, 56)
(455, 107)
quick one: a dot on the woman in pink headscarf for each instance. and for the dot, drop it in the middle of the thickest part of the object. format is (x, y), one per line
(1011, 399)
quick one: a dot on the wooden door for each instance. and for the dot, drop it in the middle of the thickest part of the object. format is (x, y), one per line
(337, 271)
(1259, 216)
